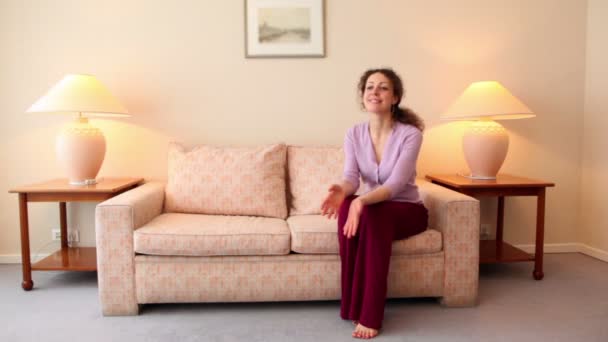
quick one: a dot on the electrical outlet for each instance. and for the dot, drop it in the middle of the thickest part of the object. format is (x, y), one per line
(56, 234)
(484, 231)
(73, 235)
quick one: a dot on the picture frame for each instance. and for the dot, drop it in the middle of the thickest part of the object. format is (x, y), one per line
(284, 28)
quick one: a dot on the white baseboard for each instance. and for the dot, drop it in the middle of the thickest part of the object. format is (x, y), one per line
(594, 252)
(569, 248)
(16, 258)
(553, 248)
(549, 248)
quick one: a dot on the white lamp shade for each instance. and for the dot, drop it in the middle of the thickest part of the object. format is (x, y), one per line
(487, 100)
(79, 94)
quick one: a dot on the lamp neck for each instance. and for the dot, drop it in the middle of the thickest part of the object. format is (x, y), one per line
(82, 119)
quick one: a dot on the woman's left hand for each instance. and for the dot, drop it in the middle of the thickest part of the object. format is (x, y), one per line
(352, 221)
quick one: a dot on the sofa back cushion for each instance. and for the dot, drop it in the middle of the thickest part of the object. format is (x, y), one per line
(227, 181)
(311, 170)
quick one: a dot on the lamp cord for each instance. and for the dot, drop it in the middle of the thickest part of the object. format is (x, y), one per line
(35, 256)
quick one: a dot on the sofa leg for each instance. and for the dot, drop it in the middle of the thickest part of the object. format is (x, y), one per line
(457, 302)
(121, 310)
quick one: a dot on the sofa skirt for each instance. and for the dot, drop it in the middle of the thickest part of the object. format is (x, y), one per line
(293, 277)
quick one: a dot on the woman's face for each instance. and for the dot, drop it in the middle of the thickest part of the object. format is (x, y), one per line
(378, 96)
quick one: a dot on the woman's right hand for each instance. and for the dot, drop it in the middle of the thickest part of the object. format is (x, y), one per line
(331, 205)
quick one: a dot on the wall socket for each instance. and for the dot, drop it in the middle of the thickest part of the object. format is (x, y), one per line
(484, 231)
(73, 235)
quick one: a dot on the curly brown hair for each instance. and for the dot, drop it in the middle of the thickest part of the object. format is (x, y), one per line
(402, 114)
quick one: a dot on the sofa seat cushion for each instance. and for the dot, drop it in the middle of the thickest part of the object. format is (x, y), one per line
(209, 235)
(315, 234)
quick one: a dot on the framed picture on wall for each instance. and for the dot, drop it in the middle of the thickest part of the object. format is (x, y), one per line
(284, 28)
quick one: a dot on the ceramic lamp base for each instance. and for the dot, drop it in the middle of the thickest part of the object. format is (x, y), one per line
(471, 176)
(485, 145)
(81, 149)
(85, 182)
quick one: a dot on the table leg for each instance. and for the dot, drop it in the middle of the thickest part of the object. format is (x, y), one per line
(26, 265)
(540, 233)
(500, 218)
(63, 224)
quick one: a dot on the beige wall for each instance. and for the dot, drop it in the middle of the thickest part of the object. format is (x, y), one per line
(594, 179)
(179, 67)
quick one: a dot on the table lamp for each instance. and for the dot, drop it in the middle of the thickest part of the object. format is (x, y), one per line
(80, 147)
(485, 142)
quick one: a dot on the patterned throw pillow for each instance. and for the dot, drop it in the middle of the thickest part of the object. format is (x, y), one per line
(311, 170)
(227, 181)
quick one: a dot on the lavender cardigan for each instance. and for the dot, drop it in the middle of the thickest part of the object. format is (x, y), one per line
(396, 171)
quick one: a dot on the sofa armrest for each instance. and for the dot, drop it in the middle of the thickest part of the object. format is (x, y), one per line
(115, 221)
(456, 216)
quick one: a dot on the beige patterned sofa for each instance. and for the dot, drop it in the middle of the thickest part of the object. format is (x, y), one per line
(243, 224)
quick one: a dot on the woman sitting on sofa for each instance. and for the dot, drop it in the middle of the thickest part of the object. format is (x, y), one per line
(383, 152)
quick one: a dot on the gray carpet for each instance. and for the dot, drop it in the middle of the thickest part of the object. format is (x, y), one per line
(570, 304)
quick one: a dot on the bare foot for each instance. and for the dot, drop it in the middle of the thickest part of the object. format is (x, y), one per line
(364, 332)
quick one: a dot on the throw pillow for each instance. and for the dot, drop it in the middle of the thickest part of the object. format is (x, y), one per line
(311, 170)
(227, 181)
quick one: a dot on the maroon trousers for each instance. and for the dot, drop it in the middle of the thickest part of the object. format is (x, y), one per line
(366, 256)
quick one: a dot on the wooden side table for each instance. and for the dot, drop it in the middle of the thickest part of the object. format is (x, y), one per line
(498, 251)
(59, 190)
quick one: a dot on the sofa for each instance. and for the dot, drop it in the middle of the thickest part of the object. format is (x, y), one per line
(241, 224)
